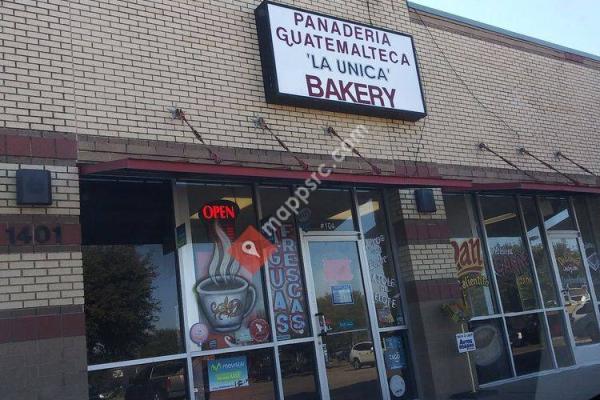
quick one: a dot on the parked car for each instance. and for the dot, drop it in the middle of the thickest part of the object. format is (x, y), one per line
(157, 382)
(362, 354)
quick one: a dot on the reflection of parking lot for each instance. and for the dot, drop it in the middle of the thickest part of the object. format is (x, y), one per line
(151, 382)
(341, 374)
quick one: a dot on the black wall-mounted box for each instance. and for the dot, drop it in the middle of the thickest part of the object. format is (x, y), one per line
(425, 201)
(34, 187)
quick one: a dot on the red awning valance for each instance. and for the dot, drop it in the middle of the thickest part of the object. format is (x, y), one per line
(129, 166)
(534, 187)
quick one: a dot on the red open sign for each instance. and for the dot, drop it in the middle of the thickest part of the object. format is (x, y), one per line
(219, 210)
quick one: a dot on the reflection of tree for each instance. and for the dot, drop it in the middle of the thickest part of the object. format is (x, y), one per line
(335, 313)
(120, 309)
(543, 271)
(161, 341)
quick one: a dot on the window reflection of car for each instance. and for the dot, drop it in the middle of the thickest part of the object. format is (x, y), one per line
(157, 382)
(362, 354)
(96, 393)
(342, 355)
(584, 322)
(575, 298)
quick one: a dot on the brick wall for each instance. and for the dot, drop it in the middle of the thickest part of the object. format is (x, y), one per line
(42, 334)
(110, 70)
(113, 68)
(40, 279)
(426, 262)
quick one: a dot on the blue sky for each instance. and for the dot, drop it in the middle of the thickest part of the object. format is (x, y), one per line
(570, 23)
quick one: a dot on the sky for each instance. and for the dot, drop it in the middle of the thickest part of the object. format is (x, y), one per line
(570, 23)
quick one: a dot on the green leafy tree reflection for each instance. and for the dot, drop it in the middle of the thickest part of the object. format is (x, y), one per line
(120, 308)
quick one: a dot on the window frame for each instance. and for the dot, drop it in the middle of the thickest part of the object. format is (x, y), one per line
(274, 344)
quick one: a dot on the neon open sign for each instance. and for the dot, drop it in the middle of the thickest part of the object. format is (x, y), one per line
(219, 210)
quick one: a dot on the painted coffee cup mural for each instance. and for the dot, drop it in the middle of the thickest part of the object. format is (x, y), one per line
(226, 306)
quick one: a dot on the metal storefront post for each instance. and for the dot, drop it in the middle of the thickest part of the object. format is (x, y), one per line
(267, 281)
(584, 260)
(367, 284)
(495, 282)
(557, 279)
(537, 282)
(401, 288)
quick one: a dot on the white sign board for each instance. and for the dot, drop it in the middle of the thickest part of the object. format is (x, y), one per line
(465, 342)
(318, 61)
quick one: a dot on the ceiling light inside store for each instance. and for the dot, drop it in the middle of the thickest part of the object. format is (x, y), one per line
(364, 209)
(499, 218)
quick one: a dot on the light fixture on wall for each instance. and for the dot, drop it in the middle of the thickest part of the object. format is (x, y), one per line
(34, 187)
(425, 201)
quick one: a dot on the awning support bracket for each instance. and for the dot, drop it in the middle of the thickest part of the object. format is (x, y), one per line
(262, 124)
(179, 114)
(559, 155)
(523, 150)
(375, 168)
(483, 146)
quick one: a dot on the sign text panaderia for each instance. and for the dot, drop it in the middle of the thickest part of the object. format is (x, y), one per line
(316, 61)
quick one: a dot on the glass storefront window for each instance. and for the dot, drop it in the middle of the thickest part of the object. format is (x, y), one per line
(131, 253)
(130, 274)
(397, 365)
(342, 306)
(384, 280)
(491, 358)
(560, 338)
(557, 214)
(298, 372)
(576, 291)
(509, 256)
(328, 210)
(285, 273)
(166, 380)
(468, 254)
(540, 252)
(226, 306)
(244, 375)
(587, 210)
(528, 343)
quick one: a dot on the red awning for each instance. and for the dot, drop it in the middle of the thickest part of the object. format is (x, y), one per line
(535, 187)
(130, 166)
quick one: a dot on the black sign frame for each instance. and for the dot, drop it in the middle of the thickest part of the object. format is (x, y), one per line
(269, 72)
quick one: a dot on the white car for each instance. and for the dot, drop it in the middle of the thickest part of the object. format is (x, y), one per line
(362, 354)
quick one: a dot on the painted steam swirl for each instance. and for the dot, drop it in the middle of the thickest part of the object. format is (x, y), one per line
(223, 268)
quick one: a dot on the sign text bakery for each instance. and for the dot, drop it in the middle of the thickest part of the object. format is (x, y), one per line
(316, 61)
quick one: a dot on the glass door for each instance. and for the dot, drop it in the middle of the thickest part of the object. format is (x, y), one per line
(349, 357)
(576, 293)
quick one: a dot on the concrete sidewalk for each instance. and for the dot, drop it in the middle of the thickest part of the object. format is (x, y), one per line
(581, 383)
